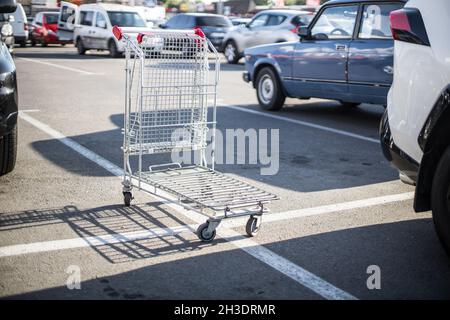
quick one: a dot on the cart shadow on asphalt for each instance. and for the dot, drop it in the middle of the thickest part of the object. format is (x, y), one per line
(414, 267)
(313, 163)
(63, 55)
(113, 220)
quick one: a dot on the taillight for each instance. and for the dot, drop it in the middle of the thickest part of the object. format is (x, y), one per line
(294, 30)
(407, 26)
(25, 27)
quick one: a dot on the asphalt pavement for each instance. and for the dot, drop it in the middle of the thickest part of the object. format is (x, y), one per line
(342, 210)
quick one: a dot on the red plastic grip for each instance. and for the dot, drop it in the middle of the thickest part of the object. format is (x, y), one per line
(140, 37)
(199, 32)
(117, 32)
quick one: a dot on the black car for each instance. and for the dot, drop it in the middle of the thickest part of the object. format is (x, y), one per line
(8, 101)
(213, 26)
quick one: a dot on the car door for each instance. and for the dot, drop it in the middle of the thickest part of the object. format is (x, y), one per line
(66, 21)
(101, 33)
(251, 33)
(38, 28)
(86, 30)
(270, 33)
(370, 64)
(320, 62)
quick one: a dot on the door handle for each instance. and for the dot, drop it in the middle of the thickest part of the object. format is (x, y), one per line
(388, 70)
(341, 47)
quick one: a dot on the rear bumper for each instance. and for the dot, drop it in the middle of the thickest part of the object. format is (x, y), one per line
(399, 159)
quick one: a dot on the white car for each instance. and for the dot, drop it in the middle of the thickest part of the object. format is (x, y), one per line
(90, 26)
(20, 26)
(415, 130)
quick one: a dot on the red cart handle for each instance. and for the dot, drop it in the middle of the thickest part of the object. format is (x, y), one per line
(117, 32)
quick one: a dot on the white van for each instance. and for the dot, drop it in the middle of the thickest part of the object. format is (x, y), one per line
(20, 26)
(90, 25)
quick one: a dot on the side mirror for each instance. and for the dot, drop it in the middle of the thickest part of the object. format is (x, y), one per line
(304, 33)
(7, 6)
(163, 26)
(11, 18)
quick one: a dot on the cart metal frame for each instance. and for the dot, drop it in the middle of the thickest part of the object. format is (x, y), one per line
(169, 87)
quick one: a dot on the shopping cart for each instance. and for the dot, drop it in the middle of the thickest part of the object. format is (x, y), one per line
(169, 87)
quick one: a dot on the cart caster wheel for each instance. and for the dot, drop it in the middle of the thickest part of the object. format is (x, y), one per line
(203, 234)
(127, 197)
(253, 225)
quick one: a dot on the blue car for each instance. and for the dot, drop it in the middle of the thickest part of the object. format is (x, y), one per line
(345, 54)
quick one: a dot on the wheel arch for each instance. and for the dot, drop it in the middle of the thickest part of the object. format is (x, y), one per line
(276, 70)
(434, 139)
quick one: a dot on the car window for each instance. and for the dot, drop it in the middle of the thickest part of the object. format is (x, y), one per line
(275, 20)
(99, 20)
(259, 21)
(375, 21)
(189, 22)
(213, 21)
(66, 13)
(51, 18)
(302, 20)
(126, 19)
(38, 19)
(86, 18)
(335, 23)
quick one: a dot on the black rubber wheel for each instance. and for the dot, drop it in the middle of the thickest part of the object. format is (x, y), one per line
(33, 43)
(23, 44)
(253, 226)
(8, 152)
(80, 47)
(231, 52)
(440, 200)
(112, 47)
(127, 197)
(203, 235)
(44, 44)
(349, 104)
(268, 90)
(63, 44)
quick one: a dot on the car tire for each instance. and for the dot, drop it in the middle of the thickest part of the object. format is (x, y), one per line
(112, 47)
(268, 90)
(231, 52)
(33, 43)
(23, 44)
(80, 47)
(44, 44)
(440, 200)
(349, 104)
(8, 152)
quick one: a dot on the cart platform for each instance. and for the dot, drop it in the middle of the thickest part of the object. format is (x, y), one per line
(207, 188)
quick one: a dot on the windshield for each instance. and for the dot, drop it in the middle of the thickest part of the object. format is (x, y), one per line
(51, 18)
(126, 19)
(213, 22)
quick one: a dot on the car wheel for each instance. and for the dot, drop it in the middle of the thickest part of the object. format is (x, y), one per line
(8, 152)
(44, 44)
(231, 52)
(112, 47)
(440, 200)
(269, 91)
(23, 44)
(80, 47)
(349, 104)
(33, 43)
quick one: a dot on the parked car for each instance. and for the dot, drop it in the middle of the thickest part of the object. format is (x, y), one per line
(213, 26)
(45, 28)
(345, 54)
(20, 26)
(415, 131)
(90, 26)
(6, 31)
(270, 26)
(236, 21)
(8, 99)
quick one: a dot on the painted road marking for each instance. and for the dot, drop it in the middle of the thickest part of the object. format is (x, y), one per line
(303, 123)
(270, 258)
(57, 66)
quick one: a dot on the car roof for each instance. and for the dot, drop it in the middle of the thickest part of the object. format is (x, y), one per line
(108, 7)
(359, 1)
(287, 12)
(202, 14)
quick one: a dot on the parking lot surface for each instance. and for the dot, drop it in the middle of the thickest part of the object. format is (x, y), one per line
(342, 207)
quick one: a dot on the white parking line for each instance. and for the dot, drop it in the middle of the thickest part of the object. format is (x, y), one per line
(270, 258)
(57, 66)
(303, 123)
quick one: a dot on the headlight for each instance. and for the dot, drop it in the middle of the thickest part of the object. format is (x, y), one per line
(248, 57)
(6, 30)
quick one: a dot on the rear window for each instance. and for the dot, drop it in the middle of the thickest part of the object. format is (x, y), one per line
(213, 22)
(302, 20)
(51, 18)
(126, 19)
